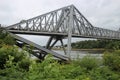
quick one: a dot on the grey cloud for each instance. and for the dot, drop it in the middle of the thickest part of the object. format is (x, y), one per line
(105, 15)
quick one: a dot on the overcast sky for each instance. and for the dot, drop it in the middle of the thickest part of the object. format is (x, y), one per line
(101, 13)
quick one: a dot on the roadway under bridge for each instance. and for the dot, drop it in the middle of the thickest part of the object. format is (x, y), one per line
(66, 22)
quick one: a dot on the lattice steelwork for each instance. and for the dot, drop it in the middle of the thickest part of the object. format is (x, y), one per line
(62, 23)
(58, 22)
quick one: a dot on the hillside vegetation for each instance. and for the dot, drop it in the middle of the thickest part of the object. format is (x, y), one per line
(100, 43)
(15, 64)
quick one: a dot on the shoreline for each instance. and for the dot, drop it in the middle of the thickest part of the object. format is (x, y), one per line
(95, 49)
(88, 49)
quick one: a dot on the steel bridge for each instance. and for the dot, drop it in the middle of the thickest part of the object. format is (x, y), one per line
(66, 22)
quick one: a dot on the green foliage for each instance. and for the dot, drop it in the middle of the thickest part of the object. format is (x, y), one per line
(12, 73)
(103, 73)
(5, 38)
(89, 63)
(48, 69)
(11, 70)
(87, 68)
(18, 57)
(8, 40)
(3, 34)
(112, 60)
(72, 72)
(89, 44)
(24, 64)
(1, 43)
(15, 64)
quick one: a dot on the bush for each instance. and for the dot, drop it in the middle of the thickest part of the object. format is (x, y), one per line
(112, 60)
(12, 74)
(24, 64)
(103, 73)
(3, 34)
(7, 51)
(49, 69)
(8, 40)
(89, 63)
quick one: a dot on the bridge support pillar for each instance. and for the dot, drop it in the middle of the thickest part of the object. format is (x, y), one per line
(70, 26)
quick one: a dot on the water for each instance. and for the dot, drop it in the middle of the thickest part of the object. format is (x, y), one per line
(81, 53)
(75, 54)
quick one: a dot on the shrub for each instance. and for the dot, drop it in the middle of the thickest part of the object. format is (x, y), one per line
(8, 40)
(13, 51)
(24, 64)
(112, 60)
(48, 69)
(103, 73)
(89, 62)
(12, 74)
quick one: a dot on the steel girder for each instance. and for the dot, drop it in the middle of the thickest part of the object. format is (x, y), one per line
(39, 49)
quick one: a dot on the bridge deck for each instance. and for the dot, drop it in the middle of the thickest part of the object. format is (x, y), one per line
(96, 36)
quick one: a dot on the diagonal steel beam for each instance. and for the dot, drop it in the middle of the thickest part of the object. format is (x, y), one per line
(40, 47)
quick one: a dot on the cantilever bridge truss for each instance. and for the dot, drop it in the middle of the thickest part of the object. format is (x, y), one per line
(66, 22)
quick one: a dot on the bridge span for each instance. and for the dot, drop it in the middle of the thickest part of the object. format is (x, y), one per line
(66, 22)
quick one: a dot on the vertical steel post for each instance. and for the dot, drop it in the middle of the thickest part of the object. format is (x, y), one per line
(70, 32)
(63, 46)
(49, 42)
